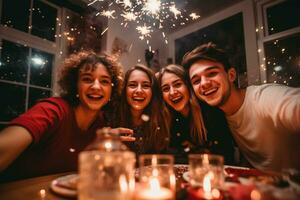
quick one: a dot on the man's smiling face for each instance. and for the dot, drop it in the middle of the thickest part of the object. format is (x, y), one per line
(210, 82)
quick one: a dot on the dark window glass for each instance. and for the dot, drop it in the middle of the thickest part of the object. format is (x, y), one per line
(36, 94)
(15, 14)
(2, 126)
(44, 20)
(41, 68)
(13, 66)
(283, 60)
(283, 16)
(12, 101)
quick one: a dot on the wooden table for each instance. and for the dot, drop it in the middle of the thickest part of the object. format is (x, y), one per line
(30, 189)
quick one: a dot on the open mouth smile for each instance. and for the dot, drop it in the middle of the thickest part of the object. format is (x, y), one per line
(176, 99)
(209, 92)
(94, 96)
(138, 99)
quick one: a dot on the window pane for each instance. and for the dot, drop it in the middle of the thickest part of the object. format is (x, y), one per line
(15, 14)
(283, 16)
(44, 20)
(12, 103)
(283, 60)
(37, 94)
(41, 68)
(2, 126)
(13, 65)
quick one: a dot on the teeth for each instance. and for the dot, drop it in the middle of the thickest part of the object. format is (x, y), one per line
(138, 99)
(208, 92)
(176, 99)
(94, 96)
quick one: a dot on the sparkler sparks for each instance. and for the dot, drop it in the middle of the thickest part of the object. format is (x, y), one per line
(129, 16)
(108, 13)
(152, 7)
(175, 11)
(146, 15)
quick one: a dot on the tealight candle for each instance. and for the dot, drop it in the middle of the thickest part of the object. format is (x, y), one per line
(155, 192)
(206, 193)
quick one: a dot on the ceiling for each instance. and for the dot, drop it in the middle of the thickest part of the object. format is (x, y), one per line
(204, 8)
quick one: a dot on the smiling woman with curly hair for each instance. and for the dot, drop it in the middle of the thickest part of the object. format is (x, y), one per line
(49, 136)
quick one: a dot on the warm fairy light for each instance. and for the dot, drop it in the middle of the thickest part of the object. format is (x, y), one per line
(194, 16)
(108, 145)
(255, 195)
(43, 193)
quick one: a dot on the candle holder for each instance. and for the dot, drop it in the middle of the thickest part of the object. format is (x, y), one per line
(206, 169)
(106, 170)
(157, 178)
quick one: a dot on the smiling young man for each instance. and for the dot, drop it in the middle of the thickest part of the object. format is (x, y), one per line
(264, 120)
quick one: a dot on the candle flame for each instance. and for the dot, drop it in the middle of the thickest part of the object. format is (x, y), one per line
(206, 184)
(154, 184)
(123, 184)
(207, 181)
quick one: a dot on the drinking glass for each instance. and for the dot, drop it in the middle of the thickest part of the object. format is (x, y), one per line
(157, 178)
(206, 169)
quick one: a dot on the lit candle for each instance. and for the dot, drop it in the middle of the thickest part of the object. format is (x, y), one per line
(207, 193)
(155, 192)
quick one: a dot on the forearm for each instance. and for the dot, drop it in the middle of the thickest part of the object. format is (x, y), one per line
(13, 141)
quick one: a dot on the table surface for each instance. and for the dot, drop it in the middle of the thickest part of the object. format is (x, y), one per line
(30, 189)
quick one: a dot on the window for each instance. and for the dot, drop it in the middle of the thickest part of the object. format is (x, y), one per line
(227, 34)
(279, 41)
(38, 20)
(29, 49)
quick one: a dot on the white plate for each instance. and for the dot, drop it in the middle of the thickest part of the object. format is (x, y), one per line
(65, 185)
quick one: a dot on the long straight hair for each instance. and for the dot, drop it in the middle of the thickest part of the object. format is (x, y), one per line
(155, 130)
(198, 131)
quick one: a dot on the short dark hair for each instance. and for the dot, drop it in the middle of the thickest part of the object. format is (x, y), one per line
(208, 51)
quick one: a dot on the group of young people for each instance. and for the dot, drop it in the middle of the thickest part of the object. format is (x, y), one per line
(193, 108)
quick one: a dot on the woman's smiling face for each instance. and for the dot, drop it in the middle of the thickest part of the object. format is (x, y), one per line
(175, 92)
(94, 87)
(138, 90)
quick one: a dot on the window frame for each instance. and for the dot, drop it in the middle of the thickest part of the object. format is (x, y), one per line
(31, 41)
(264, 36)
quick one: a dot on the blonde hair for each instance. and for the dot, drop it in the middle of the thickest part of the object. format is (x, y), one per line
(198, 131)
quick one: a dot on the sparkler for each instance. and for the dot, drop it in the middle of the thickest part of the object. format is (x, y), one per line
(146, 15)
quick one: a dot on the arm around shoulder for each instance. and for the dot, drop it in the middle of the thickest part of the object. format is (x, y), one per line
(13, 141)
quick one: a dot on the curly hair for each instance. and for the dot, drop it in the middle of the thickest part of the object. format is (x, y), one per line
(88, 60)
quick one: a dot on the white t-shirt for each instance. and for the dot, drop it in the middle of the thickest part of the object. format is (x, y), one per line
(267, 127)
